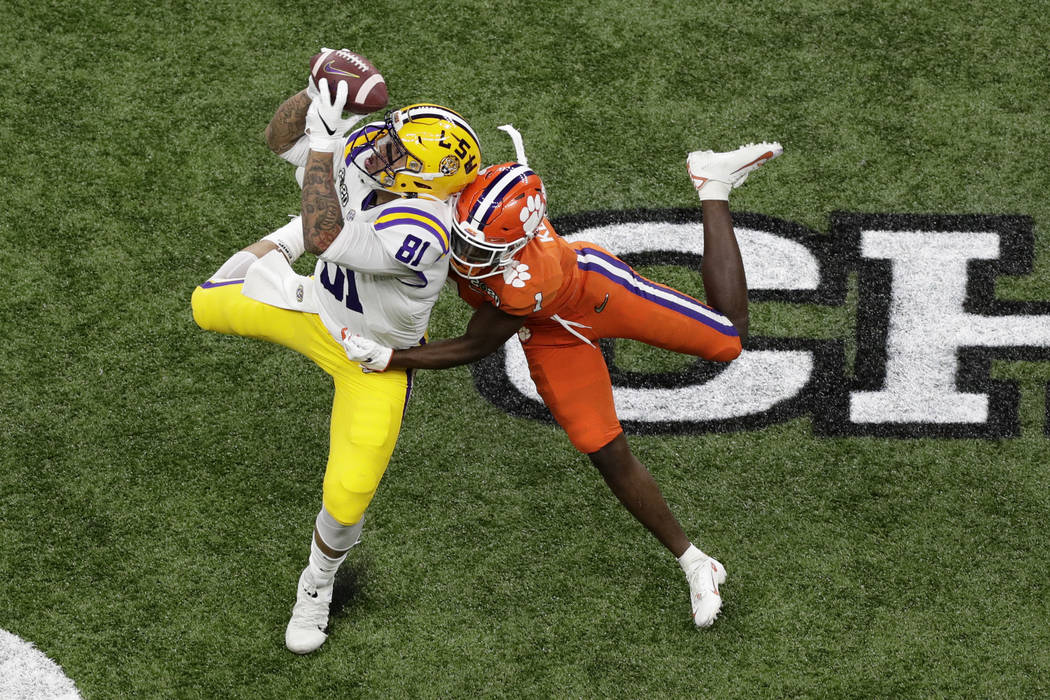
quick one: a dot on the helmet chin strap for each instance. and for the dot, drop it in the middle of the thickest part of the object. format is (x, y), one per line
(519, 144)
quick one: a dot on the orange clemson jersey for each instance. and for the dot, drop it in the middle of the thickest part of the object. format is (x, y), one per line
(579, 292)
(539, 283)
(571, 295)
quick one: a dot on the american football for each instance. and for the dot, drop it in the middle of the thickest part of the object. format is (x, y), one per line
(367, 89)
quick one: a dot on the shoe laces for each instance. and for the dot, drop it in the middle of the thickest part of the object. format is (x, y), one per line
(311, 607)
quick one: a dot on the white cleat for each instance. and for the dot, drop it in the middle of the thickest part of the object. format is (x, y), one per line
(306, 629)
(704, 579)
(730, 167)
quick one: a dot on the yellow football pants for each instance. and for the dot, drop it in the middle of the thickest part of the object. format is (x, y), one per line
(367, 408)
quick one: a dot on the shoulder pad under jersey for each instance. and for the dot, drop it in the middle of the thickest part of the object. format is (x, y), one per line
(415, 232)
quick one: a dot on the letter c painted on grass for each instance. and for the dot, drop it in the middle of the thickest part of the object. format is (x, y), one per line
(927, 327)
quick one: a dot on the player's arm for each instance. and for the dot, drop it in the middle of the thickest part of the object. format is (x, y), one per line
(288, 123)
(487, 331)
(325, 127)
(322, 217)
(722, 268)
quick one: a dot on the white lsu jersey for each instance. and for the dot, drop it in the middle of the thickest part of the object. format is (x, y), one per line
(383, 273)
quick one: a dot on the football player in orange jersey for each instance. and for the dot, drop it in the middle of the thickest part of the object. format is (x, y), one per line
(560, 297)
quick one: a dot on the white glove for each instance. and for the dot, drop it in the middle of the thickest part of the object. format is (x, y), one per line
(325, 124)
(372, 356)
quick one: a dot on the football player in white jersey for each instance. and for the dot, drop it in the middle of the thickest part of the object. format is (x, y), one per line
(375, 212)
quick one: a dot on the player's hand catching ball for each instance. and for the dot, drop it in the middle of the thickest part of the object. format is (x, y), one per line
(325, 124)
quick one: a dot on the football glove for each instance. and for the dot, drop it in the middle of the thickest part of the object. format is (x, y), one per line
(325, 124)
(372, 356)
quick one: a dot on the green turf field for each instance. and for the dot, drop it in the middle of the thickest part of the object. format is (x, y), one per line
(158, 484)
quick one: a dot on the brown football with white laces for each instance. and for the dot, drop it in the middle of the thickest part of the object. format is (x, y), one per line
(366, 86)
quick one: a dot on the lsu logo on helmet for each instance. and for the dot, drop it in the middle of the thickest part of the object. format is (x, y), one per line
(449, 165)
(422, 150)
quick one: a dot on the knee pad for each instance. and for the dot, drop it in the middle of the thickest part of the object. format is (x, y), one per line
(346, 499)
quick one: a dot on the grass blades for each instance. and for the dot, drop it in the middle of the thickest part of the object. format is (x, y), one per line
(158, 484)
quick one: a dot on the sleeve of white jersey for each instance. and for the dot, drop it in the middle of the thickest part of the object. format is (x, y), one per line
(296, 155)
(300, 150)
(404, 238)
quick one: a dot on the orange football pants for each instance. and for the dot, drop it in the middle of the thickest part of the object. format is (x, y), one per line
(613, 302)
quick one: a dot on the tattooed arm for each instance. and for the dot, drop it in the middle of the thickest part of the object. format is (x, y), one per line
(288, 123)
(325, 128)
(322, 217)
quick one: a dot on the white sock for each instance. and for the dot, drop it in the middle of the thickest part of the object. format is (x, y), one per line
(322, 566)
(715, 189)
(289, 238)
(690, 557)
(337, 537)
(236, 266)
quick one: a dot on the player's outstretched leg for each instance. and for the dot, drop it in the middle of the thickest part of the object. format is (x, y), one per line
(725, 285)
(714, 174)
